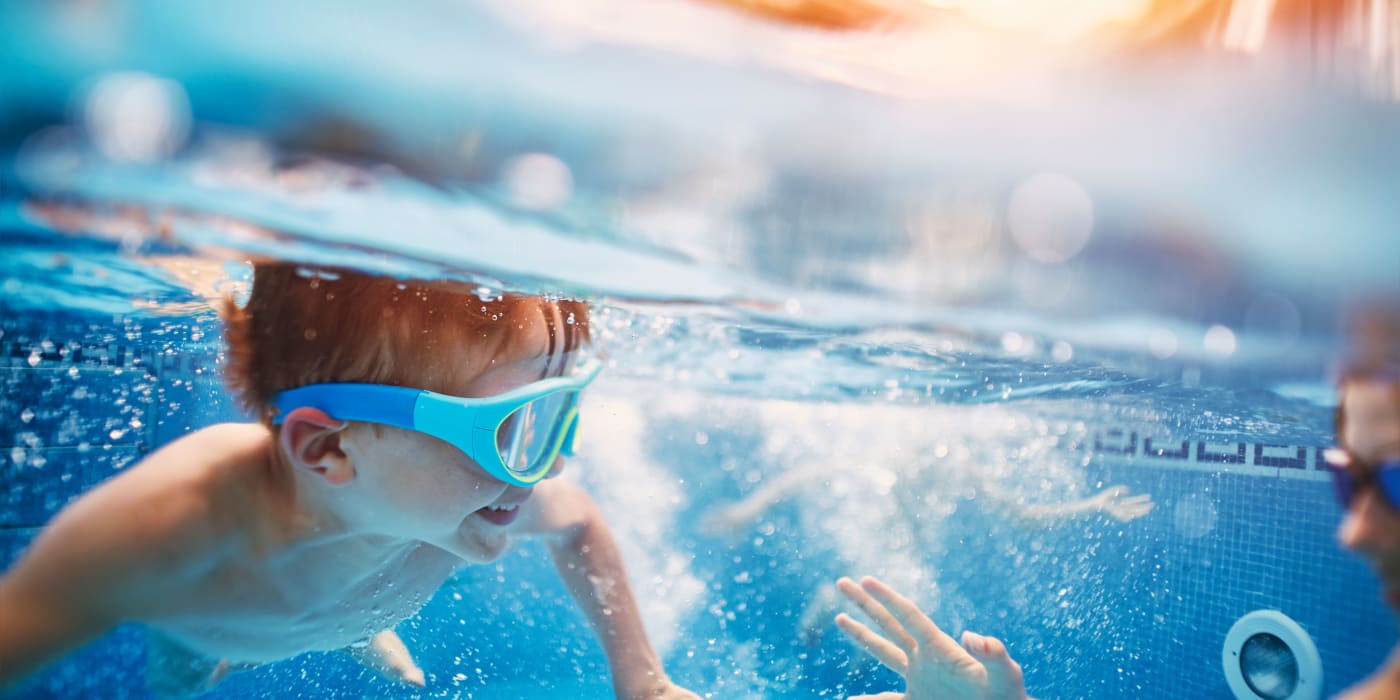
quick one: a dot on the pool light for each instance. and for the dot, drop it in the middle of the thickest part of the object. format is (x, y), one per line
(1268, 656)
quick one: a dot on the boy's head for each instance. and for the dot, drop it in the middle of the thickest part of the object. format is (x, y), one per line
(306, 326)
(316, 327)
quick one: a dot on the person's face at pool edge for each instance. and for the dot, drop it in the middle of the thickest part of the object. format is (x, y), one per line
(1371, 432)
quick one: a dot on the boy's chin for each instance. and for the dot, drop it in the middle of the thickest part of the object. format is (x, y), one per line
(477, 546)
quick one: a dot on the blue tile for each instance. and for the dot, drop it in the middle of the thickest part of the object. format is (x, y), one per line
(70, 406)
(36, 484)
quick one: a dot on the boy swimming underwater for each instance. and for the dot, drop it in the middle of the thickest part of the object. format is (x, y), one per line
(406, 428)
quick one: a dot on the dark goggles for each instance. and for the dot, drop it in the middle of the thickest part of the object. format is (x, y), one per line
(1351, 476)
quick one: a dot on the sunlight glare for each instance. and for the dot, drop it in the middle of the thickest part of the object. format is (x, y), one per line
(1058, 19)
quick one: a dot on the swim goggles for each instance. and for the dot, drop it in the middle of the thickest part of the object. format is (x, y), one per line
(1351, 476)
(515, 436)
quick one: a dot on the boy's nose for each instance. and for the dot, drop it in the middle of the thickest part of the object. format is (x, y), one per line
(1370, 526)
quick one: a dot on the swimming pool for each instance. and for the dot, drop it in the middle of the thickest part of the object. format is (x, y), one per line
(771, 297)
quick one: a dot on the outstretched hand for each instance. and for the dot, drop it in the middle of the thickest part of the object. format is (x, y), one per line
(934, 666)
(386, 655)
(1115, 502)
(663, 689)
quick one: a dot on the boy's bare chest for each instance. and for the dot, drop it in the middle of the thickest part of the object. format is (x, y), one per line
(253, 610)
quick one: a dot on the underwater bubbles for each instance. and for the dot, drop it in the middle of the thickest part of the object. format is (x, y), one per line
(136, 117)
(1050, 216)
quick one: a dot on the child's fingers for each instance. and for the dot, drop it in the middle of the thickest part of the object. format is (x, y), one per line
(1004, 678)
(413, 676)
(878, 613)
(912, 618)
(882, 649)
(1138, 509)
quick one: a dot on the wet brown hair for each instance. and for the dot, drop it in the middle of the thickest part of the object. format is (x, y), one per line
(305, 326)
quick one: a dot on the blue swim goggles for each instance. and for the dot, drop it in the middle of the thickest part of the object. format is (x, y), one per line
(1350, 476)
(515, 436)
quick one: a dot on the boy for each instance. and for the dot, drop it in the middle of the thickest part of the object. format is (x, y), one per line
(355, 497)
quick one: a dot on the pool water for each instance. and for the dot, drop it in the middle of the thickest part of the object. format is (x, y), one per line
(924, 328)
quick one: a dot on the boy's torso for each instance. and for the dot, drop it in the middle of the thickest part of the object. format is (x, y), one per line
(247, 609)
(233, 596)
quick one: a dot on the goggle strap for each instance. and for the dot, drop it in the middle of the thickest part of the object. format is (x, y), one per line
(371, 403)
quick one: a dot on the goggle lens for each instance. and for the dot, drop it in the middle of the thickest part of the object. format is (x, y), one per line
(530, 438)
(1385, 476)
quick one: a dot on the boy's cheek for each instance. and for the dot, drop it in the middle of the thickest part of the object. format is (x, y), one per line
(557, 469)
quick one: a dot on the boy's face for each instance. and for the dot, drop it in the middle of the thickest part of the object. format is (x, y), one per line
(1371, 434)
(414, 485)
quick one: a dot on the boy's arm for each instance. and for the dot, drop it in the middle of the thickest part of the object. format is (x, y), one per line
(40, 623)
(591, 566)
(90, 569)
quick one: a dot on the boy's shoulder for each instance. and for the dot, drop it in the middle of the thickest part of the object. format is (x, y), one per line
(185, 498)
(151, 530)
(203, 484)
(227, 444)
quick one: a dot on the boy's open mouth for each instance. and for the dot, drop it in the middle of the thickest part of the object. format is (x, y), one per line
(500, 514)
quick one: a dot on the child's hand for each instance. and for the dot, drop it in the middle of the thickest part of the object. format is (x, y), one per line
(386, 655)
(671, 691)
(661, 689)
(1115, 502)
(934, 666)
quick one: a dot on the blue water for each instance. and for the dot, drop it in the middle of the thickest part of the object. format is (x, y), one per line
(787, 272)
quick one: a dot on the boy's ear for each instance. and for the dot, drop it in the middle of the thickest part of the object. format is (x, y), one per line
(311, 440)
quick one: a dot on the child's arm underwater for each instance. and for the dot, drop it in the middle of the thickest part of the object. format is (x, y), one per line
(1115, 502)
(104, 559)
(591, 565)
(44, 614)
